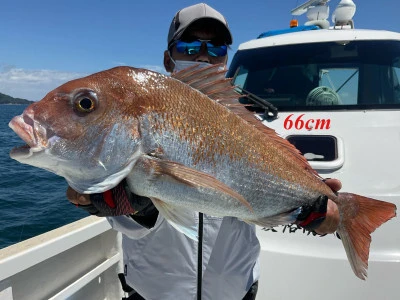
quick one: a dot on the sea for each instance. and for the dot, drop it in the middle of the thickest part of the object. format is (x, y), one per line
(32, 200)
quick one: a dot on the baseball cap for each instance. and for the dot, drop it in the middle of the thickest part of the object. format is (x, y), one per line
(186, 16)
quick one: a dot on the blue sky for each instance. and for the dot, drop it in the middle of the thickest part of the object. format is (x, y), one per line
(46, 43)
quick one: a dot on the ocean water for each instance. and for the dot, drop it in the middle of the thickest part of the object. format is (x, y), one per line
(32, 200)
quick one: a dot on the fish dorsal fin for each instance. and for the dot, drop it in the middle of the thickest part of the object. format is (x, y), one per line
(212, 82)
(209, 80)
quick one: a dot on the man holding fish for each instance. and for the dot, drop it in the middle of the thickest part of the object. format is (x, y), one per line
(161, 262)
(153, 151)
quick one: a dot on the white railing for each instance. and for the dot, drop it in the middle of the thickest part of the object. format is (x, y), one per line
(77, 261)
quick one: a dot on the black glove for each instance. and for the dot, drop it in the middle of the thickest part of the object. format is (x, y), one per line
(312, 216)
(118, 201)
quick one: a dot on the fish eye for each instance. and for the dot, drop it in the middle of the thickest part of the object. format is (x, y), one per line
(86, 102)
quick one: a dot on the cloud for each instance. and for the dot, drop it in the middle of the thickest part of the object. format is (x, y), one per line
(35, 84)
(32, 84)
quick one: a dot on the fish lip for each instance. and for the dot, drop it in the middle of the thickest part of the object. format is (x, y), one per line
(24, 127)
(23, 130)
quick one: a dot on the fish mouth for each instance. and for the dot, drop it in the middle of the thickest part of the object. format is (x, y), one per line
(31, 133)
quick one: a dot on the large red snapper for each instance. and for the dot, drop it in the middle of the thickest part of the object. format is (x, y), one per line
(184, 150)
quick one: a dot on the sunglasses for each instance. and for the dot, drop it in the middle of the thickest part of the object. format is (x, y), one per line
(194, 47)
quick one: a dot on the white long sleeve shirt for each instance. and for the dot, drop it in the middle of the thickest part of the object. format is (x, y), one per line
(162, 263)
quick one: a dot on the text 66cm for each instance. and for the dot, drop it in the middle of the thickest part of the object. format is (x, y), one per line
(302, 122)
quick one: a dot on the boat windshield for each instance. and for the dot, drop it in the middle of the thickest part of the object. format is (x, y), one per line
(322, 76)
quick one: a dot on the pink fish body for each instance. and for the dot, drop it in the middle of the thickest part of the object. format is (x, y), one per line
(187, 146)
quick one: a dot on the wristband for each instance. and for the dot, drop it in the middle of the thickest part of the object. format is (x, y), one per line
(114, 202)
(312, 216)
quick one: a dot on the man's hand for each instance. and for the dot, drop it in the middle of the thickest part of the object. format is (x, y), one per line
(115, 202)
(332, 218)
(322, 216)
(76, 198)
(82, 201)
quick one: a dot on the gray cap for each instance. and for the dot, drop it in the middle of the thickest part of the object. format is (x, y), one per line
(186, 16)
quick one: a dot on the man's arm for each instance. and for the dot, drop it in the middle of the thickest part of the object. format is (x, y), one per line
(116, 202)
(322, 217)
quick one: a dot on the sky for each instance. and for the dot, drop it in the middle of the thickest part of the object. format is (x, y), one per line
(44, 43)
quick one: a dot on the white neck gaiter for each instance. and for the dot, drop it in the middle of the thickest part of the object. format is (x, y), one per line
(183, 64)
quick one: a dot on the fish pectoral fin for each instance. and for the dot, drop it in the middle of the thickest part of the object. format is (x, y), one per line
(194, 178)
(180, 218)
(280, 219)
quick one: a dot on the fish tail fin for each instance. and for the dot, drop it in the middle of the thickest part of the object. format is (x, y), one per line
(360, 216)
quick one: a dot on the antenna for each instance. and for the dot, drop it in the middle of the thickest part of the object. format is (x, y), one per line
(317, 12)
(301, 9)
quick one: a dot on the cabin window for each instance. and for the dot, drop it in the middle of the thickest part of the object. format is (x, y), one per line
(343, 81)
(321, 76)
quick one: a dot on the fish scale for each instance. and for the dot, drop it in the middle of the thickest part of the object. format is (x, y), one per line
(229, 137)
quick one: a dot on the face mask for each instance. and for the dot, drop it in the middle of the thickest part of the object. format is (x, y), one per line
(183, 64)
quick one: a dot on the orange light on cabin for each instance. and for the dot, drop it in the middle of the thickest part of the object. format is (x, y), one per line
(294, 23)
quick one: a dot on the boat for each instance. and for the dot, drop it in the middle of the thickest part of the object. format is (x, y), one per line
(80, 260)
(333, 91)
